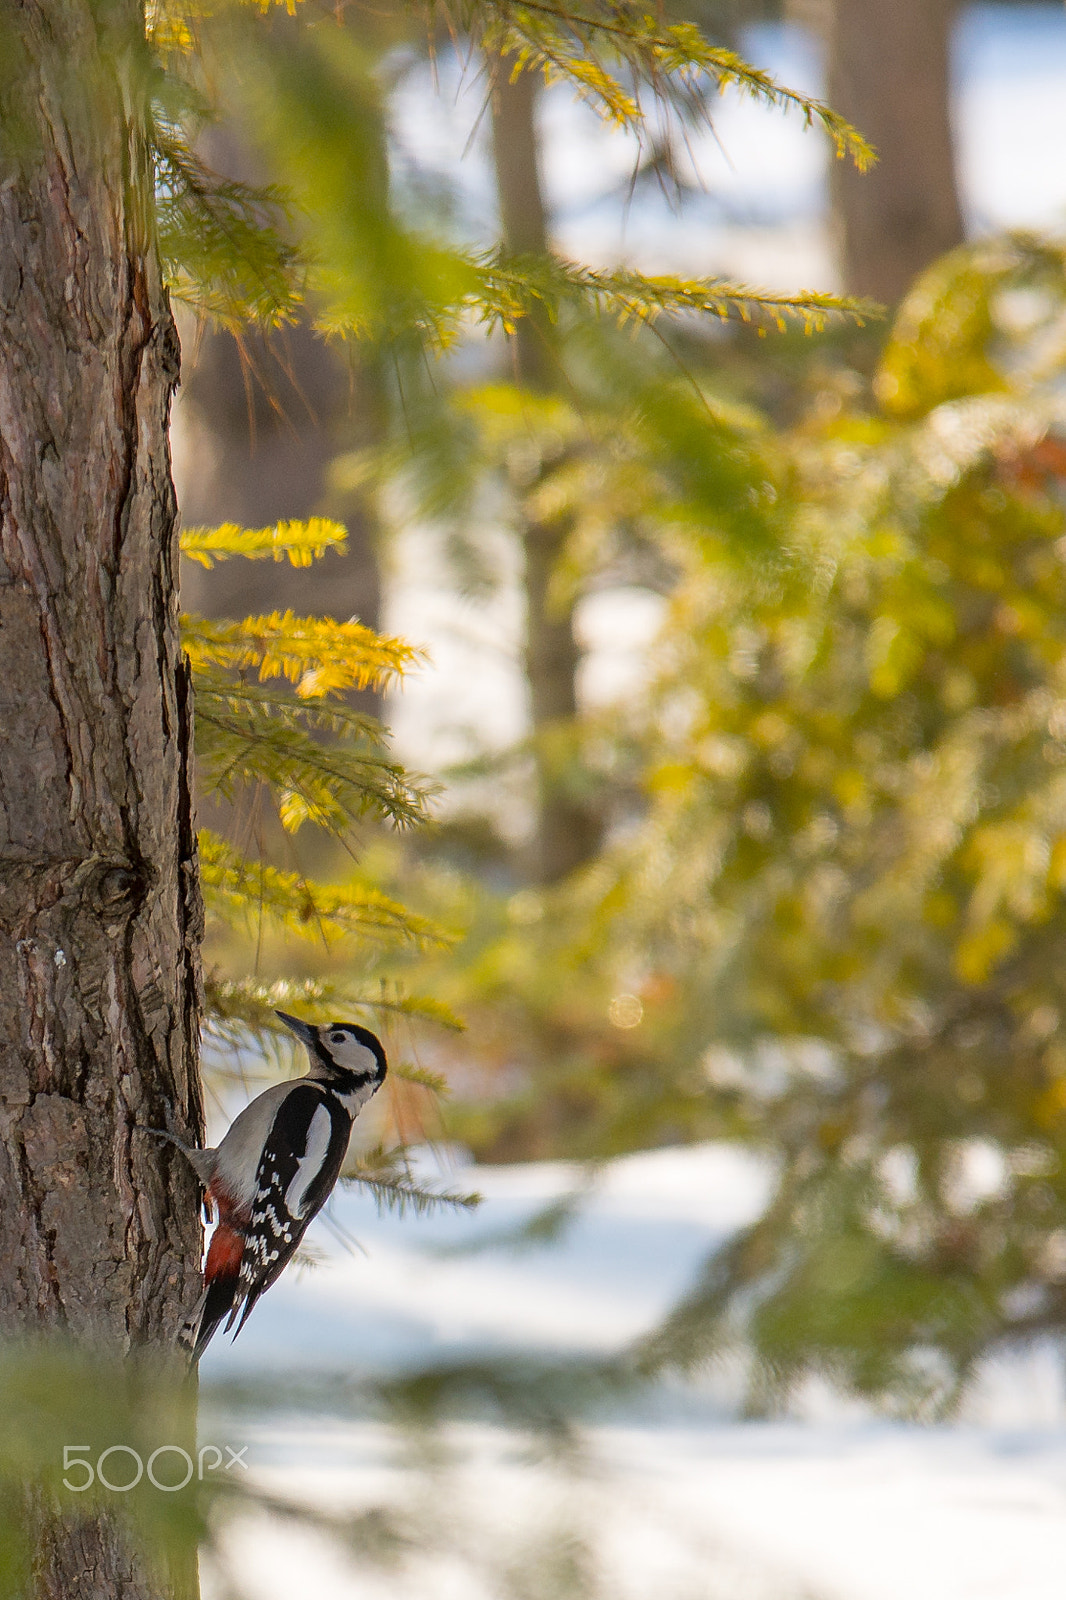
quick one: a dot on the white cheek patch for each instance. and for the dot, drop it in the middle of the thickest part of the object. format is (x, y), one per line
(310, 1163)
(354, 1057)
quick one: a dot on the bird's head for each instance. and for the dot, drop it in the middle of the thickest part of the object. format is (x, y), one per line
(343, 1054)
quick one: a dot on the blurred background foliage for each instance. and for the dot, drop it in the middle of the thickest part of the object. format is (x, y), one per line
(280, 220)
(804, 888)
(827, 910)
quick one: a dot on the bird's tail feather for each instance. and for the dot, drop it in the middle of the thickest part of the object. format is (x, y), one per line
(221, 1290)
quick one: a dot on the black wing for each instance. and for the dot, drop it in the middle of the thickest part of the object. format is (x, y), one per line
(299, 1165)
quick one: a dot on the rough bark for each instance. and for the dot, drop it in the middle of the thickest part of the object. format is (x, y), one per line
(567, 830)
(889, 74)
(99, 901)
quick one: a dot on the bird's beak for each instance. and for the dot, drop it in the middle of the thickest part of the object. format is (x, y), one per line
(303, 1030)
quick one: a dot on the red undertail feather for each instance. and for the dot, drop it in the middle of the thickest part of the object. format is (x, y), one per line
(224, 1254)
(221, 1282)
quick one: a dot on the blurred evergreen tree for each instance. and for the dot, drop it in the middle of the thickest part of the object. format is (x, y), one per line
(833, 925)
(881, 885)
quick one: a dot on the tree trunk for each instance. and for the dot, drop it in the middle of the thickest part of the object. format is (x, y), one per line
(567, 830)
(99, 899)
(889, 74)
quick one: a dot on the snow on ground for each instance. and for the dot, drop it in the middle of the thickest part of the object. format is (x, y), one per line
(435, 1288)
(860, 1513)
(671, 1494)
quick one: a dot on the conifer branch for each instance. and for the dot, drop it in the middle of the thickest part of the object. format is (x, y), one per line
(405, 1198)
(333, 785)
(424, 1077)
(386, 1175)
(220, 241)
(504, 288)
(569, 42)
(245, 1006)
(219, 691)
(317, 654)
(247, 734)
(511, 287)
(302, 542)
(239, 891)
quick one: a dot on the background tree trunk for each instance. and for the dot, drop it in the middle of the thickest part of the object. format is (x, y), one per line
(889, 74)
(258, 439)
(259, 425)
(567, 831)
(99, 899)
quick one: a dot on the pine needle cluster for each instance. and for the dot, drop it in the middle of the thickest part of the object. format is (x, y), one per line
(273, 728)
(233, 254)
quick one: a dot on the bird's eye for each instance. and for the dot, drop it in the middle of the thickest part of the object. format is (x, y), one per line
(337, 1037)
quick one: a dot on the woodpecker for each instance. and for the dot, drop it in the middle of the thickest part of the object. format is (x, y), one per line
(275, 1170)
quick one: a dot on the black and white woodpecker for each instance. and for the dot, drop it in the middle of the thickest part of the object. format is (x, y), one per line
(275, 1170)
